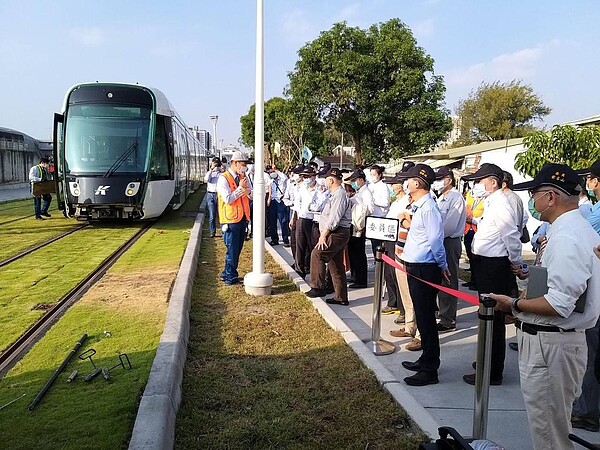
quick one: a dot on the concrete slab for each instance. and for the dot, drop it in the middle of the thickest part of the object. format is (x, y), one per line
(16, 191)
(451, 401)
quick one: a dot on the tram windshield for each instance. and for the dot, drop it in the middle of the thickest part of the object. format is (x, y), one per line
(106, 139)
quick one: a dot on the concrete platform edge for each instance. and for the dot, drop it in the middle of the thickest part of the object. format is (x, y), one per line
(154, 426)
(418, 414)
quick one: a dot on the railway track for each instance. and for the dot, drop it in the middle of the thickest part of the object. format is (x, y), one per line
(19, 348)
(39, 246)
(16, 220)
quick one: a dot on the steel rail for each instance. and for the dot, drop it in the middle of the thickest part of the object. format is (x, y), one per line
(42, 245)
(19, 348)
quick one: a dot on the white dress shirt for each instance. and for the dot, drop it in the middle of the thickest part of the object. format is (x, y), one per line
(454, 213)
(211, 178)
(319, 201)
(306, 195)
(572, 267)
(517, 204)
(381, 198)
(497, 232)
(425, 241)
(364, 197)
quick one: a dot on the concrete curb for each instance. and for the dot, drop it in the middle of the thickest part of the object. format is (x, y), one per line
(155, 422)
(386, 379)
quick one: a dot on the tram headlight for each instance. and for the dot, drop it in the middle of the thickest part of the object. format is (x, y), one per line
(74, 188)
(132, 189)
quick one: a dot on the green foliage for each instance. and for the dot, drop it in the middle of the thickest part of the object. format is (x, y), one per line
(376, 85)
(284, 125)
(577, 147)
(498, 111)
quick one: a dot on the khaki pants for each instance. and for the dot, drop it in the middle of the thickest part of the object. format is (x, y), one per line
(410, 323)
(551, 367)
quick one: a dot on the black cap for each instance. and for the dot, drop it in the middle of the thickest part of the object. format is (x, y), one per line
(421, 171)
(407, 165)
(334, 172)
(559, 176)
(443, 172)
(324, 170)
(358, 173)
(308, 171)
(486, 170)
(397, 179)
(298, 168)
(593, 170)
(267, 167)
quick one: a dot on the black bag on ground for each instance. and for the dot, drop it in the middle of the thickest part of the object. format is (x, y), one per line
(450, 439)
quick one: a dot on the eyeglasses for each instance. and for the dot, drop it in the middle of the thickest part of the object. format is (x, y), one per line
(532, 193)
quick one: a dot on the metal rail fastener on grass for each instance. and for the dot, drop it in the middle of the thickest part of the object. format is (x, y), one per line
(56, 373)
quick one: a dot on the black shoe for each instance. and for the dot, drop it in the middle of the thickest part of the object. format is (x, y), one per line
(414, 366)
(357, 286)
(470, 379)
(422, 379)
(39, 218)
(445, 329)
(314, 293)
(274, 243)
(329, 290)
(513, 346)
(337, 301)
(585, 423)
(46, 214)
(234, 281)
(469, 285)
(286, 244)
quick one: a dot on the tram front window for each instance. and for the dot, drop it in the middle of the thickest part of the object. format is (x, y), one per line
(106, 139)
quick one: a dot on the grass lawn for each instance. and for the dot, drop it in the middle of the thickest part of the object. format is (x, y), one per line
(268, 372)
(125, 312)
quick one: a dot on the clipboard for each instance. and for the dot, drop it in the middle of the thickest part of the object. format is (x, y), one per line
(537, 286)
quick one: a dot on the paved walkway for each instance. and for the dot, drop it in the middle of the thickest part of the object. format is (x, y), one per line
(450, 402)
(14, 192)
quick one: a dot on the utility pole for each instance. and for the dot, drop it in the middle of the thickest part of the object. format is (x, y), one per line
(214, 119)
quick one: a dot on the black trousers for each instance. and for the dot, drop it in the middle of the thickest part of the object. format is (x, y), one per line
(468, 241)
(494, 275)
(424, 302)
(358, 258)
(391, 282)
(303, 244)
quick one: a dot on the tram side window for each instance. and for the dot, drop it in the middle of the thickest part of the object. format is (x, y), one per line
(159, 164)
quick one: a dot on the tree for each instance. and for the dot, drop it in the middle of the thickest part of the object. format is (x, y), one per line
(376, 86)
(285, 132)
(498, 111)
(577, 147)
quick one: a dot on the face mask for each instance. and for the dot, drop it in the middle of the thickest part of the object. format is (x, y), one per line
(591, 193)
(405, 187)
(242, 170)
(308, 181)
(321, 181)
(355, 185)
(273, 175)
(479, 190)
(537, 215)
(437, 185)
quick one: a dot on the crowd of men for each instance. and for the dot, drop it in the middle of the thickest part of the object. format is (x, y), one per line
(321, 214)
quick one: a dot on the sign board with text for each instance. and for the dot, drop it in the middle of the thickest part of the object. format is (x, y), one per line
(381, 228)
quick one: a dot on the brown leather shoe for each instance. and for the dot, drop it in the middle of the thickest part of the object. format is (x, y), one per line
(413, 346)
(400, 333)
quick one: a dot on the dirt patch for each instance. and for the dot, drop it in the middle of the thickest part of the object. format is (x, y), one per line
(142, 291)
(43, 306)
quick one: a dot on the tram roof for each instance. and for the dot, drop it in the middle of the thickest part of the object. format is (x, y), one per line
(163, 105)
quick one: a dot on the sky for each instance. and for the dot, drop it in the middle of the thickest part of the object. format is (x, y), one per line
(201, 54)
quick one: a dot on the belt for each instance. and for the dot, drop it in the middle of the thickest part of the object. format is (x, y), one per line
(211, 192)
(423, 264)
(531, 328)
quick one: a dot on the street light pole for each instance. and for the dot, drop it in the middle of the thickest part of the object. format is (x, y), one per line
(258, 282)
(214, 119)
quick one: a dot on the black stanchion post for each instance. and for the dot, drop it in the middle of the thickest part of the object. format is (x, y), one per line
(378, 345)
(483, 366)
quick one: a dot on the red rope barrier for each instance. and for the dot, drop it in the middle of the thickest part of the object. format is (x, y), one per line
(473, 299)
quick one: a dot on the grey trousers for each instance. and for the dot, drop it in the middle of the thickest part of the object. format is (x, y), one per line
(447, 302)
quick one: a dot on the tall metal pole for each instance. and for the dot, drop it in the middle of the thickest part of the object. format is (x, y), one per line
(257, 282)
(483, 367)
(378, 345)
(342, 150)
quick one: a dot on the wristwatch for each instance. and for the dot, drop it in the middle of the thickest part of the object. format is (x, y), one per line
(515, 305)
